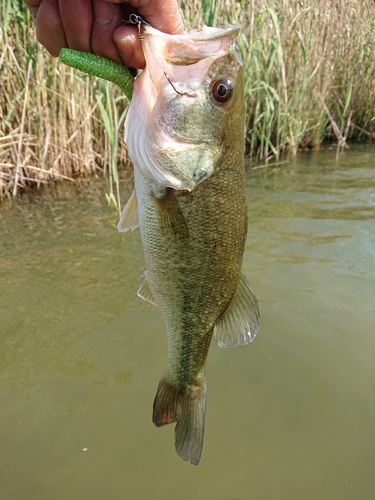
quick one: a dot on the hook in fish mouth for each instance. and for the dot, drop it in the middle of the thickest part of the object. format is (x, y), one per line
(174, 88)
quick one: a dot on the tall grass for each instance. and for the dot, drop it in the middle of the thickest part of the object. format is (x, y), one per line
(309, 76)
(309, 70)
(55, 122)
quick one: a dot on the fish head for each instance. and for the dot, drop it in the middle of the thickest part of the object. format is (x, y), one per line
(185, 101)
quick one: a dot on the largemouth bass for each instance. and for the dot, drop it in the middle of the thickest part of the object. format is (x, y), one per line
(185, 136)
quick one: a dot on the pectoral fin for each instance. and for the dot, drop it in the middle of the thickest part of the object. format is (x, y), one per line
(171, 217)
(240, 322)
(129, 217)
(145, 292)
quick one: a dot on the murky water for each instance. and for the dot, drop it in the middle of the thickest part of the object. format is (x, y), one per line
(291, 416)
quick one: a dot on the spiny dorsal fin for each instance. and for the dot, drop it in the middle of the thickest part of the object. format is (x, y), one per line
(240, 322)
(129, 217)
(144, 291)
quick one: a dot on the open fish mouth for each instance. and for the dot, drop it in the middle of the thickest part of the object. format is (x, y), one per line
(173, 101)
(189, 48)
(206, 33)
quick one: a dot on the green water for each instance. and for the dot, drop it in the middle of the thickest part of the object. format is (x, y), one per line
(291, 416)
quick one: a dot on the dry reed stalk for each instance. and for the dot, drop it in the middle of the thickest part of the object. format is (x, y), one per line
(50, 109)
(299, 54)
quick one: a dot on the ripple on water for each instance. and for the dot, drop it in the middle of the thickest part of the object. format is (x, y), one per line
(290, 416)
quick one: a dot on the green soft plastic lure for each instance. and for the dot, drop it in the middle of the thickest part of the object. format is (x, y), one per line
(101, 67)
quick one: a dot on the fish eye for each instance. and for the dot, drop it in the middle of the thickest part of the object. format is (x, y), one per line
(222, 90)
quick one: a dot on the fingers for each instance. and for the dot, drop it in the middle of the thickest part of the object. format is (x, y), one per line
(98, 25)
(33, 3)
(129, 46)
(85, 25)
(49, 28)
(164, 15)
(33, 6)
(107, 17)
(76, 18)
(64, 23)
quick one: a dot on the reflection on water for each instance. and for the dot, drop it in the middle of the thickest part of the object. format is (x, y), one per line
(291, 416)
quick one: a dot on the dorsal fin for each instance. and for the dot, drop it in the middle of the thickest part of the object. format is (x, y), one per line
(129, 217)
(240, 322)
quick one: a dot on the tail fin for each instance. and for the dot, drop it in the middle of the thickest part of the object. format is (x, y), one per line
(189, 431)
(188, 409)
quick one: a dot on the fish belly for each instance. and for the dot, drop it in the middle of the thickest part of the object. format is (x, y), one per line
(193, 244)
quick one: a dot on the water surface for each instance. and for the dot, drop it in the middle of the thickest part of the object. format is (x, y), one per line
(291, 416)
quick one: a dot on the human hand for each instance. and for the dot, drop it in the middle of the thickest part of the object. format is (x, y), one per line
(97, 26)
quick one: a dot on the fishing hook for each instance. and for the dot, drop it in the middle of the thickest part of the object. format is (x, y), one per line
(174, 88)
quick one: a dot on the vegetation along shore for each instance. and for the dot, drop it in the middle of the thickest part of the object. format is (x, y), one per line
(309, 76)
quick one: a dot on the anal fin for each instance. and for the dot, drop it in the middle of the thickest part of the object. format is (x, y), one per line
(145, 292)
(129, 218)
(240, 322)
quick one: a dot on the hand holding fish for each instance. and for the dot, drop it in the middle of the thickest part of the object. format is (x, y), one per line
(97, 26)
(184, 132)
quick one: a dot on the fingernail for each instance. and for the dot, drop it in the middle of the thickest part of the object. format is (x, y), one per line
(104, 12)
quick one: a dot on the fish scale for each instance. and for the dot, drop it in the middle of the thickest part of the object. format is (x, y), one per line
(186, 144)
(189, 201)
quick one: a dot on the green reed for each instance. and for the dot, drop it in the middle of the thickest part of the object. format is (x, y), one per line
(309, 73)
(113, 122)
